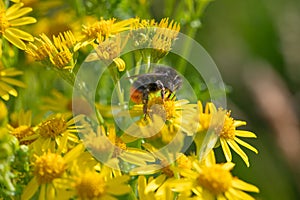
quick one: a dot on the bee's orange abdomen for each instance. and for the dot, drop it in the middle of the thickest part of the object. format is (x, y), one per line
(136, 96)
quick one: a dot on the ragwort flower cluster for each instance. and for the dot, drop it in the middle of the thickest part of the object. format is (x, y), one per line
(81, 156)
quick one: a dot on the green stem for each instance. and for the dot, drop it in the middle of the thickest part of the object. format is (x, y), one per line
(191, 32)
(115, 77)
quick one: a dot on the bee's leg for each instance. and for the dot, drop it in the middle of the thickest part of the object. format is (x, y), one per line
(145, 101)
(162, 89)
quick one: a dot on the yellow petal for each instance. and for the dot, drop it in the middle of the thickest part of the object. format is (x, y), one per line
(141, 185)
(74, 153)
(14, 40)
(23, 21)
(228, 166)
(240, 194)
(19, 13)
(154, 184)
(4, 95)
(118, 190)
(8, 89)
(10, 72)
(221, 197)
(13, 9)
(20, 34)
(242, 185)
(144, 155)
(43, 192)
(239, 151)
(242, 133)
(180, 185)
(241, 142)
(30, 189)
(238, 123)
(132, 158)
(107, 197)
(226, 149)
(118, 180)
(146, 169)
(91, 57)
(12, 81)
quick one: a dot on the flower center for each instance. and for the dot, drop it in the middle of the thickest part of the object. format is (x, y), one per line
(216, 179)
(165, 109)
(101, 28)
(53, 127)
(109, 50)
(120, 146)
(48, 167)
(90, 185)
(228, 130)
(3, 22)
(21, 132)
(183, 162)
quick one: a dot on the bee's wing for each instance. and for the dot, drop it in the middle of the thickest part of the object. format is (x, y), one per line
(144, 75)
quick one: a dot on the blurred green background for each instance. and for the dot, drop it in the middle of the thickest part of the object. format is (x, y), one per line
(256, 45)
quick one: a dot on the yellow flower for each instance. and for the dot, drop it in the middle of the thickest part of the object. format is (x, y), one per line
(225, 127)
(55, 133)
(103, 29)
(6, 82)
(165, 121)
(162, 188)
(159, 37)
(58, 53)
(49, 170)
(23, 127)
(106, 146)
(86, 183)
(14, 17)
(214, 181)
(109, 51)
(168, 164)
(165, 34)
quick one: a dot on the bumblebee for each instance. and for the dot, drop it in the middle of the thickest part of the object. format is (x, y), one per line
(163, 79)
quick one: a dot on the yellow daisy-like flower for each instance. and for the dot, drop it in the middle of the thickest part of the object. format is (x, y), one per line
(49, 170)
(58, 53)
(214, 181)
(163, 188)
(163, 164)
(86, 183)
(56, 132)
(106, 146)
(103, 29)
(158, 37)
(165, 34)
(225, 127)
(7, 81)
(14, 17)
(23, 127)
(165, 120)
(109, 51)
